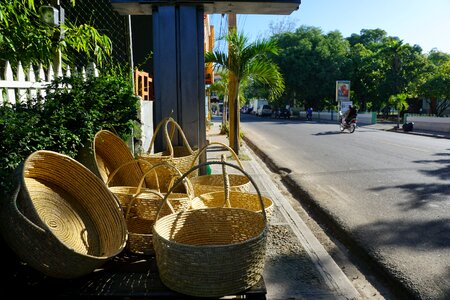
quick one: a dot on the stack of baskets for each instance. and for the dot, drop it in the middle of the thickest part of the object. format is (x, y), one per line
(64, 214)
(211, 252)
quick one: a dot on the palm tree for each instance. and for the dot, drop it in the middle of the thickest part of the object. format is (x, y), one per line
(248, 61)
(399, 101)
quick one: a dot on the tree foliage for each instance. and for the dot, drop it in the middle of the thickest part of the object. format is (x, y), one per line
(379, 66)
(311, 62)
(68, 118)
(250, 62)
(25, 37)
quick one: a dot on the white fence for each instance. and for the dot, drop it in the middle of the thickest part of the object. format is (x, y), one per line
(30, 84)
(430, 123)
(363, 117)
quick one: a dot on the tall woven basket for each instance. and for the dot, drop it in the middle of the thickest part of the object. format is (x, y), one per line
(182, 157)
(211, 252)
(62, 220)
(215, 182)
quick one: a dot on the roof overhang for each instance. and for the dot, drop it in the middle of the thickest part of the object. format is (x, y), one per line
(269, 7)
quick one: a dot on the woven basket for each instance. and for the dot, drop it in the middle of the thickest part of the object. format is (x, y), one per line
(111, 152)
(140, 206)
(211, 252)
(243, 200)
(62, 220)
(215, 182)
(125, 193)
(182, 157)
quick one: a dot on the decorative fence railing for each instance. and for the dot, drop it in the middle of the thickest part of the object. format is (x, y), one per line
(32, 83)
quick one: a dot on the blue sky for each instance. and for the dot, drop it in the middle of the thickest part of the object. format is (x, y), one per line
(425, 23)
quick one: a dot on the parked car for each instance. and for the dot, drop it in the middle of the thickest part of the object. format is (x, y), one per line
(282, 113)
(265, 110)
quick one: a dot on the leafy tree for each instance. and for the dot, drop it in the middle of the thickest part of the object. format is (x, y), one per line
(367, 67)
(249, 61)
(311, 62)
(383, 66)
(436, 88)
(24, 37)
(399, 102)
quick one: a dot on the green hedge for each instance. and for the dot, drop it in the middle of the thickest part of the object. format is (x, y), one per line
(66, 120)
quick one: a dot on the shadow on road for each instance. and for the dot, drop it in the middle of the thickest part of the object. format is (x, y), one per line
(442, 173)
(423, 194)
(409, 234)
(329, 133)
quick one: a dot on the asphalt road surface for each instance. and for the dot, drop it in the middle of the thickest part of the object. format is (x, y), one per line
(389, 192)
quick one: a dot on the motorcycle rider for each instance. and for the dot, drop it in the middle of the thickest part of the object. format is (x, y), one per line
(348, 115)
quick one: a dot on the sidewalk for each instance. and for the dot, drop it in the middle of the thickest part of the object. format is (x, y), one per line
(297, 265)
(387, 126)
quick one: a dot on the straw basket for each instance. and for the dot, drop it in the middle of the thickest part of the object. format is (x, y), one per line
(182, 157)
(62, 220)
(243, 200)
(111, 152)
(211, 252)
(140, 206)
(212, 183)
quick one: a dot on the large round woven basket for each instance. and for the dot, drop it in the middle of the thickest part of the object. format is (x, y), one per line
(62, 220)
(181, 156)
(211, 252)
(203, 184)
(244, 200)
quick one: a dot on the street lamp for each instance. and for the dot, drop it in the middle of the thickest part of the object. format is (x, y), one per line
(54, 17)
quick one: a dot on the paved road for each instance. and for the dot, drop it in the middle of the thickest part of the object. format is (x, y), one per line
(389, 192)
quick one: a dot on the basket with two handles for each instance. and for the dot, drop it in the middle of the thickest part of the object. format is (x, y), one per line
(211, 252)
(181, 156)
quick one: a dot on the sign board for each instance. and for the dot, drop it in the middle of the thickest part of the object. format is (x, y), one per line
(343, 90)
(343, 107)
(268, 7)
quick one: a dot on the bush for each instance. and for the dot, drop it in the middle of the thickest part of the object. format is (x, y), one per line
(67, 120)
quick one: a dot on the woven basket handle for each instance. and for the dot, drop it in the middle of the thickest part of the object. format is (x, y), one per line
(111, 176)
(155, 133)
(226, 182)
(127, 213)
(236, 157)
(263, 211)
(169, 138)
(187, 183)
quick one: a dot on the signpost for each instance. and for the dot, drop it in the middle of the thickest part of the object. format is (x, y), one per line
(343, 94)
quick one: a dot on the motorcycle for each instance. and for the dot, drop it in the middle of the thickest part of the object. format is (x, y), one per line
(350, 126)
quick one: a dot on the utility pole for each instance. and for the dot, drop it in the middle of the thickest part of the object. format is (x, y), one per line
(232, 95)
